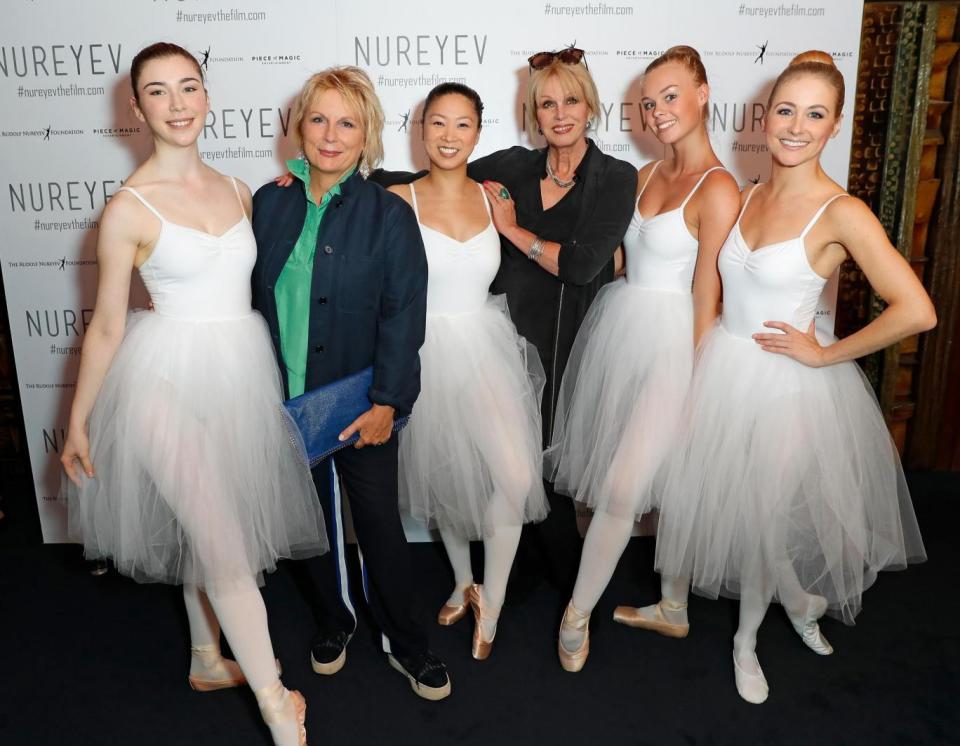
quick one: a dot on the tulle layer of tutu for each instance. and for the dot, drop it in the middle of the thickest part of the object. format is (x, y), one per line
(470, 459)
(196, 478)
(784, 474)
(621, 398)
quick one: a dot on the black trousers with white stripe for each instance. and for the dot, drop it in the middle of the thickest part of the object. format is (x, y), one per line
(369, 476)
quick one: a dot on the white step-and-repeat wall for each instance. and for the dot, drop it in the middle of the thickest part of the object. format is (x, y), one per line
(68, 139)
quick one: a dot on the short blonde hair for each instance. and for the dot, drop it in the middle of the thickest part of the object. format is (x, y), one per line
(575, 79)
(357, 90)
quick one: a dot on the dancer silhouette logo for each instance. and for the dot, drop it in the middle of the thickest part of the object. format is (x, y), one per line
(763, 51)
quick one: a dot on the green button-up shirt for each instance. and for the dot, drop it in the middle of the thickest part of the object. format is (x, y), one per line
(292, 291)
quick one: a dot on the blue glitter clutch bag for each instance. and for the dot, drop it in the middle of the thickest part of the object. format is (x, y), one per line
(316, 418)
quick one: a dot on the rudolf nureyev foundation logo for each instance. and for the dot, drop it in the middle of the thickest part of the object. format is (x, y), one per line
(204, 58)
(45, 134)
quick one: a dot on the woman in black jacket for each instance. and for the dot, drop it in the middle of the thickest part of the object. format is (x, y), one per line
(561, 213)
(341, 279)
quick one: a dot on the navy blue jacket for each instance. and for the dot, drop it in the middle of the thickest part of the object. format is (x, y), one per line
(368, 297)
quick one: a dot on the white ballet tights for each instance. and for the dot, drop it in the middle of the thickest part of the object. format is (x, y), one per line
(499, 550)
(606, 538)
(755, 596)
(458, 552)
(240, 610)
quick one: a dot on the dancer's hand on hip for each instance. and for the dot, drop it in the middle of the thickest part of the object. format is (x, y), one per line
(801, 346)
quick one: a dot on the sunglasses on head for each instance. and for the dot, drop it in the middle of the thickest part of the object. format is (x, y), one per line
(569, 56)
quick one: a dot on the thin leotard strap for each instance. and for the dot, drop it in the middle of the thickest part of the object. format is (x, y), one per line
(696, 186)
(644, 187)
(239, 198)
(747, 202)
(143, 201)
(818, 213)
(413, 199)
(486, 201)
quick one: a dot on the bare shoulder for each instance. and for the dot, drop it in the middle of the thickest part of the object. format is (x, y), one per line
(402, 191)
(849, 208)
(720, 185)
(123, 210)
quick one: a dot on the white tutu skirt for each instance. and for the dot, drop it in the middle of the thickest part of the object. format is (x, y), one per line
(196, 478)
(621, 398)
(471, 459)
(784, 474)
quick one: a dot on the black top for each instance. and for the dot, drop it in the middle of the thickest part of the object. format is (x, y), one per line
(588, 223)
(368, 296)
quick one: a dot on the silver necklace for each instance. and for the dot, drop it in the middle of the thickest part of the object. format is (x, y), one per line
(556, 180)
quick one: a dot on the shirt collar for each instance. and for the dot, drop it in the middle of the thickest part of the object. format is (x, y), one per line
(581, 169)
(301, 170)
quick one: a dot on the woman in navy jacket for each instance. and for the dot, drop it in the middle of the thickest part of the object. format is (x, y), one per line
(341, 279)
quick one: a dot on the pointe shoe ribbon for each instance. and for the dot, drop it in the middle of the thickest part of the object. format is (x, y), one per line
(752, 687)
(808, 627)
(574, 619)
(452, 613)
(224, 673)
(633, 617)
(480, 648)
(285, 713)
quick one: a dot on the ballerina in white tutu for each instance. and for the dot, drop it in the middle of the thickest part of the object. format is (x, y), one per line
(785, 483)
(186, 473)
(470, 459)
(624, 385)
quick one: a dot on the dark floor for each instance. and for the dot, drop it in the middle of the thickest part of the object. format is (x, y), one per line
(87, 660)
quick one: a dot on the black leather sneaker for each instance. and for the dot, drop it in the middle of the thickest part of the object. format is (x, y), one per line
(328, 652)
(426, 673)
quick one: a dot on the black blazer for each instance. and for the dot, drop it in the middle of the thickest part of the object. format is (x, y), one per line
(368, 296)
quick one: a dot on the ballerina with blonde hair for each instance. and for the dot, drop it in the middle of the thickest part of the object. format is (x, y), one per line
(785, 484)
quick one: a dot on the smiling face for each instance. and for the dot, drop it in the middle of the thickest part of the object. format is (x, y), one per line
(451, 129)
(171, 99)
(331, 133)
(801, 119)
(563, 116)
(672, 102)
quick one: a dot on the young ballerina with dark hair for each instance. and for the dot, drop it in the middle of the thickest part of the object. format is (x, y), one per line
(470, 460)
(187, 475)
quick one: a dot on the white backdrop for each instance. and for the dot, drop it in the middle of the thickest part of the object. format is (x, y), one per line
(68, 139)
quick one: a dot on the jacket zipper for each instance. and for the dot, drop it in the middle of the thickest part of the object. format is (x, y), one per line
(553, 364)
